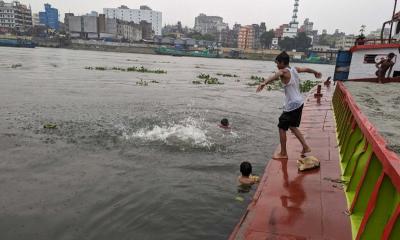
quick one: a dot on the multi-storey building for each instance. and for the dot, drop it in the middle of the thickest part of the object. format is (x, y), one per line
(137, 15)
(279, 31)
(129, 31)
(345, 42)
(209, 24)
(15, 16)
(100, 27)
(246, 37)
(49, 17)
(35, 19)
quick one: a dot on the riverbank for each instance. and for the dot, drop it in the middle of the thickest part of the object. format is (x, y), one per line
(143, 48)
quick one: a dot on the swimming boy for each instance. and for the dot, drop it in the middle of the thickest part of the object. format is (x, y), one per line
(383, 66)
(292, 110)
(247, 178)
(224, 124)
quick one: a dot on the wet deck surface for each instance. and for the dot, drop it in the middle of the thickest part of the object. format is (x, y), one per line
(293, 205)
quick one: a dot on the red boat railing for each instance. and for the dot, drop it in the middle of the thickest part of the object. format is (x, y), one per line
(370, 171)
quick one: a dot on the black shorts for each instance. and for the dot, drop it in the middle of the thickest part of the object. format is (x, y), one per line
(290, 119)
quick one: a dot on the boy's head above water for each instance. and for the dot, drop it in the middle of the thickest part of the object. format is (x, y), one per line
(225, 122)
(282, 60)
(246, 169)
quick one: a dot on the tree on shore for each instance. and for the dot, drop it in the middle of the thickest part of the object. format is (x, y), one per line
(300, 43)
(266, 38)
(287, 44)
(199, 36)
(303, 42)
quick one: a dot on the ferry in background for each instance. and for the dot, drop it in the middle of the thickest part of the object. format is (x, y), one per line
(181, 52)
(356, 192)
(15, 41)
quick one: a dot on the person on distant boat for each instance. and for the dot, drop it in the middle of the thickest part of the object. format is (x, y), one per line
(383, 66)
(292, 110)
(224, 124)
(246, 178)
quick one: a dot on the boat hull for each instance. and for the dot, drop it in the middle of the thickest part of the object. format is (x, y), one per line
(17, 43)
(183, 53)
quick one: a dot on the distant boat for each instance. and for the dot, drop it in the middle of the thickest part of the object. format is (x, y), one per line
(314, 60)
(186, 53)
(16, 42)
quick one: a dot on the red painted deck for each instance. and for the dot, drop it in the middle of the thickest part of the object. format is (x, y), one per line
(293, 205)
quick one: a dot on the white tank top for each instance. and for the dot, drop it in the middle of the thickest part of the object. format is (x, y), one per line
(293, 97)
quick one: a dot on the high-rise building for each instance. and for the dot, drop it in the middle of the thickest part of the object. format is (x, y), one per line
(292, 29)
(49, 17)
(345, 42)
(307, 27)
(15, 16)
(209, 24)
(35, 19)
(137, 16)
(279, 31)
(246, 37)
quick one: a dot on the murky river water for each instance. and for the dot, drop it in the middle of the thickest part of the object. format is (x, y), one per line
(127, 161)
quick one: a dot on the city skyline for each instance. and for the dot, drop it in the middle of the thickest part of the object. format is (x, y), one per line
(322, 13)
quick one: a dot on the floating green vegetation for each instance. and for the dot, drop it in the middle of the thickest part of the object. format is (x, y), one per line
(50, 126)
(204, 76)
(142, 83)
(213, 81)
(276, 85)
(118, 69)
(207, 79)
(154, 81)
(257, 78)
(145, 70)
(307, 85)
(129, 69)
(16, 65)
(197, 67)
(196, 82)
(227, 75)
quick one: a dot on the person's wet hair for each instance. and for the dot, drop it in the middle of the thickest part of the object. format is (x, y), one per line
(283, 57)
(225, 122)
(391, 55)
(246, 169)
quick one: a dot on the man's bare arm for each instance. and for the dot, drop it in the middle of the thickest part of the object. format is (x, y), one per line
(309, 70)
(270, 79)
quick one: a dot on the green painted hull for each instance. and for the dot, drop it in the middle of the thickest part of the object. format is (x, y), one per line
(369, 172)
(183, 53)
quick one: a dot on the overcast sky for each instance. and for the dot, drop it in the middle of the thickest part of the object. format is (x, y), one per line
(346, 15)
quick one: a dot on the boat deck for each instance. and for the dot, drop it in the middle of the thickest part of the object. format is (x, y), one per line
(293, 205)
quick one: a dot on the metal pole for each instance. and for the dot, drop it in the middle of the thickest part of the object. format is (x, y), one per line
(391, 25)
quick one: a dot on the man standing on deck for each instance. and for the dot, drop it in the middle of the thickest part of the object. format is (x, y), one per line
(292, 110)
(383, 66)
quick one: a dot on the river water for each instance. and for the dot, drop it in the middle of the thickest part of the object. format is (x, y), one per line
(128, 161)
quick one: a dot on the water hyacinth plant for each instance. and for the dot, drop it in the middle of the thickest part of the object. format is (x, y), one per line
(227, 75)
(142, 83)
(307, 85)
(140, 69)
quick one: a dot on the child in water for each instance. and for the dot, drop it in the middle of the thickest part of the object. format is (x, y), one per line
(224, 124)
(246, 178)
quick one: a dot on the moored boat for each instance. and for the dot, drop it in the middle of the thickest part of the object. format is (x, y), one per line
(186, 53)
(356, 192)
(16, 42)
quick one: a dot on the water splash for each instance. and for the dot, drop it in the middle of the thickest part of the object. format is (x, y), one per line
(189, 132)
